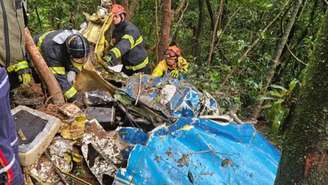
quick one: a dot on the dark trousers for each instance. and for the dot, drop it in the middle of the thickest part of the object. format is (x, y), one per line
(10, 170)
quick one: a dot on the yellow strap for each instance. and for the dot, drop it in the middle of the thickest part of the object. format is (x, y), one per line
(138, 41)
(70, 92)
(139, 66)
(129, 38)
(41, 39)
(116, 52)
(18, 66)
(57, 70)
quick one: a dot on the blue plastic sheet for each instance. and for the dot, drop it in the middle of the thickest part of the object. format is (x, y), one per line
(197, 151)
(187, 101)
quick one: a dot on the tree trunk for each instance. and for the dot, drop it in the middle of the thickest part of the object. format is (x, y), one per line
(305, 151)
(210, 12)
(277, 58)
(132, 8)
(125, 4)
(217, 28)
(42, 67)
(165, 28)
(196, 46)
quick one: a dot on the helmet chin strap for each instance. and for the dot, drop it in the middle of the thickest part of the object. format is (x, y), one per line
(122, 16)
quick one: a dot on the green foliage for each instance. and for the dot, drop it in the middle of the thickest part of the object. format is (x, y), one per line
(276, 106)
(242, 23)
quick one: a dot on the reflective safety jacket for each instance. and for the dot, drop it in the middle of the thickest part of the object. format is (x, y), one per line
(10, 171)
(53, 49)
(130, 48)
(162, 68)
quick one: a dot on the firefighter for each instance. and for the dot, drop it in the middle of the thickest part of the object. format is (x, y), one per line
(173, 64)
(11, 58)
(129, 46)
(65, 52)
(12, 43)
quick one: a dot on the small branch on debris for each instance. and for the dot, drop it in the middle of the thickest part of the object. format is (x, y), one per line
(139, 89)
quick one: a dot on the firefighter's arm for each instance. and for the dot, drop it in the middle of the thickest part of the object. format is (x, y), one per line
(23, 71)
(127, 42)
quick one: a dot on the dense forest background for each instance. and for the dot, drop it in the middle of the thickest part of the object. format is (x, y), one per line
(250, 54)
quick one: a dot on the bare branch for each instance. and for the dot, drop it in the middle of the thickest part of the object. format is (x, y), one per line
(296, 58)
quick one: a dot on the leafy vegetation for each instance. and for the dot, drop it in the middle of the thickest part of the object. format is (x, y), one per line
(233, 75)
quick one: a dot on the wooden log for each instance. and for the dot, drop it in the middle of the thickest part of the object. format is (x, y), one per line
(42, 67)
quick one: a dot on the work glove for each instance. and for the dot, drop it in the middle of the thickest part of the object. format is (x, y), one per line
(116, 68)
(175, 73)
(25, 78)
(23, 71)
(71, 75)
(108, 59)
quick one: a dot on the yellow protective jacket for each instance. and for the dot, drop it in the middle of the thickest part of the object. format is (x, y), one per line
(162, 68)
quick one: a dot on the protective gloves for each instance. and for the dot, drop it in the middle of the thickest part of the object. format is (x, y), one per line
(108, 59)
(116, 68)
(23, 71)
(71, 75)
(174, 73)
(25, 78)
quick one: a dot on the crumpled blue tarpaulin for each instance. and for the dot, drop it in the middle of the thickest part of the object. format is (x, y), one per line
(187, 101)
(198, 151)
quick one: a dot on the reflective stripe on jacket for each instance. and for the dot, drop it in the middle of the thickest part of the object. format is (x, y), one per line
(129, 47)
(53, 49)
(162, 68)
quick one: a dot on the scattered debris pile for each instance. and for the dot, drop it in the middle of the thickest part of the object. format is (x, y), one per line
(95, 139)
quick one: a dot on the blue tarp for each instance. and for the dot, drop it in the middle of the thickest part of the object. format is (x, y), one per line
(198, 151)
